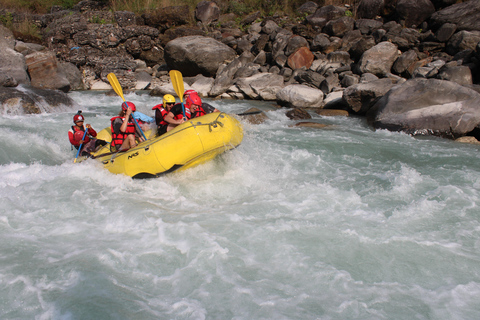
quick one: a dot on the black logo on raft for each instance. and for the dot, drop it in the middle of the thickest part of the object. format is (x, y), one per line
(132, 155)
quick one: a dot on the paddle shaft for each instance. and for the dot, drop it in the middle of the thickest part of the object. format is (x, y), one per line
(177, 82)
(81, 144)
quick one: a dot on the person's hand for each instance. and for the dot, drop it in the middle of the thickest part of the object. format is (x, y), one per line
(129, 111)
(88, 126)
(81, 142)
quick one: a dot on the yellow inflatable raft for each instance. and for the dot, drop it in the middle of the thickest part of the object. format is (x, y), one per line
(189, 144)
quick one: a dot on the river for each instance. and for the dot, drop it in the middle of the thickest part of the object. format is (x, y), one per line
(296, 223)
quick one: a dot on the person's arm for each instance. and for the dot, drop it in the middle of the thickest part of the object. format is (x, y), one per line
(91, 131)
(170, 119)
(124, 126)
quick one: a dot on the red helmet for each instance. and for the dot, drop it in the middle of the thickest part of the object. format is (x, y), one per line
(130, 104)
(189, 92)
(193, 98)
(78, 117)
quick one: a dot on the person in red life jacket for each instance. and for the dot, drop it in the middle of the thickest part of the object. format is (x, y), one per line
(76, 133)
(202, 108)
(161, 111)
(124, 130)
(178, 114)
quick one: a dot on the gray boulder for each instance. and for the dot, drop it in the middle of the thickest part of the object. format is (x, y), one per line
(207, 12)
(262, 86)
(361, 97)
(300, 96)
(12, 63)
(464, 15)
(414, 12)
(44, 71)
(428, 107)
(379, 59)
(194, 55)
(29, 100)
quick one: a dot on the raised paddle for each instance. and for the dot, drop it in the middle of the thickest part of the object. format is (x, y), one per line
(112, 78)
(80, 147)
(177, 82)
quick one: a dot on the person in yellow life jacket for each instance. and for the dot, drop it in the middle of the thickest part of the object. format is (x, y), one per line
(161, 111)
(199, 108)
(77, 132)
(124, 131)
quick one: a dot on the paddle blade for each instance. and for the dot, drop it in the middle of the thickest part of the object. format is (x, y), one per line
(177, 81)
(112, 78)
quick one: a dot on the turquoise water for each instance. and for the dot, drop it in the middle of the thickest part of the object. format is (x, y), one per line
(296, 223)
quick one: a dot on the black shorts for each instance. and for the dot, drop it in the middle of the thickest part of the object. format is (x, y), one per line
(162, 129)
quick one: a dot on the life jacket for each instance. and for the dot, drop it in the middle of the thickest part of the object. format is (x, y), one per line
(179, 116)
(78, 135)
(199, 112)
(118, 138)
(160, 114)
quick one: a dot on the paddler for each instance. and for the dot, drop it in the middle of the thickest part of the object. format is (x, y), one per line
(76, 136)
(124, 131)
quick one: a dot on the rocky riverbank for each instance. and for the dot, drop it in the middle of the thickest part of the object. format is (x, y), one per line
(407, 65)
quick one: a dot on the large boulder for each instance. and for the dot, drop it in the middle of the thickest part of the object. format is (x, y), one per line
(464, 15)
(300, 96)
(44, 71)
(362, 96)
(428, 106)
(414, 12)
(12, 63)
(28, 100)
(369, 9)
(194, 55)
(207, 12)
(262, 86)
(379, 59)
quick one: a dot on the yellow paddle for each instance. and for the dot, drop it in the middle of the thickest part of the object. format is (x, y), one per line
(112, 78)
(177, 82)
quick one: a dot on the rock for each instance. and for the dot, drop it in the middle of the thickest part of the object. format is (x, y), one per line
(298, 114)
(414, 12)
(166, 17)
(361, 97)
(7, 81)
(379, 59)
(339, 27)
(207, 12)
(262, 86)
(308, 7)
(367, 26)
(299, 95)
(29, 100)
(45, 72)
(255, 118)
(314, 125)
(428, 106)
(332, 113)
(444, 33)
(303, 57)
(369, 9)
(465, 139)
(459, 74)
(405, 61)
(125, 18)
(193, 55)
(203, 85)
(73, 75)
(324, 14)
(12, 63)
(463, 40)
(27, 48)
(464, 15)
